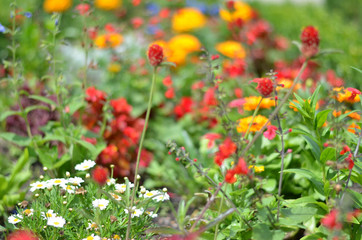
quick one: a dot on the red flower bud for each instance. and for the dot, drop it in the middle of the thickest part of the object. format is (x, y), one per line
(100, 175)
(265, 86)
(310, 41)
(155, 55)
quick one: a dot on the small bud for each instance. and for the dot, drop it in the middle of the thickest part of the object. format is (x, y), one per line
(36, 195)
(67, 174)
(143, 190)
(45, 169)
(164, 189)
(45, 227)
(64, 197)
(87, 175)
(177, 159)
(338, 188)
(112, 166)
(41, 177)
(169, 153)
(290, 130)
(276, 97)
(289, 150)
(195, 160)
(325, 144)
(138, 177)
(65, 202)
(125, 178)
(70, 209)
(214, 57)
(182, 148)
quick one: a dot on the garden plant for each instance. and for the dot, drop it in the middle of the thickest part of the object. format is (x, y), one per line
(177, 120)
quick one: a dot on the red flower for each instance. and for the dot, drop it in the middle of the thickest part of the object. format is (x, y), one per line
(265, 86)
(345, 149)
(22, 235)
(120, 106)
(354, 92)
(209, 97)
(214, 57)
(110, 28)
(184, 107)
(235, 68)
(109, 154)
(164, 13)
(271, 132)
(226, 149)
(330, 221)
(211, 137)
(242, 167)
(155, 55)
(100, 175)
(230, 176)
(170, 93)
(167, 81)
(310, 41)
(238, 92)
(333, 80)
(96, 98)
(137, 22)
(136, 2)
(350, 161)
(82, 8)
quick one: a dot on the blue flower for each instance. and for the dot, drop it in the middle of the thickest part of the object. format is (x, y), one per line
(2, 28)
(213, 10)
(153, 8)
(28, 14)
(152, 29)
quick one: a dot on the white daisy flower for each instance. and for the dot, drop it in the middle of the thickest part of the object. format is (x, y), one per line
(123, 187)
(69, 188)
(85, 165)
(57, 182)
(151, 214)
(56, 221)
(100, 203)
(14, 219)
(38, 185)
(92, 237)
(28, 212)
(135, 212)
(163, 197)
(76, 181)
(151, 194)
(116, 197)
(92, 225)
(49, 214)
(111, 181)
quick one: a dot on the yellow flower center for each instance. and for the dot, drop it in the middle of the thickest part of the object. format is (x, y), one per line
(57, 181)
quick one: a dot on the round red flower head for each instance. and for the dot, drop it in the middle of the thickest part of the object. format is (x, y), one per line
(100, 175)
(155, 55)
(23, 235)
(265, 86)
(310, 41)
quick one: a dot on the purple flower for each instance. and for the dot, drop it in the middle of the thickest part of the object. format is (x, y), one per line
(28, 14)
(2, 28)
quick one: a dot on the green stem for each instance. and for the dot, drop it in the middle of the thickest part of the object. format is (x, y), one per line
(218, 213)
(139, 151)
(252, 119)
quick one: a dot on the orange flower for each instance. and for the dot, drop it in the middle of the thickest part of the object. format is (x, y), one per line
(337, 114)
(240, 10)
(344, 95)
(108, 4)
(287, 84)
(352, 128)
(56, 5)
(354, 115)
(258, 123)
(231, 49)
(252, 102)
(108, 40)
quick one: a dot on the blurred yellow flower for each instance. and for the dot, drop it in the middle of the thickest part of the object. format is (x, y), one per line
(187, 19)
(186, 42)
(108, 40)
(114, 67)
(241, 10)
(231, 49)
(56, 5)
(257, 169)
(252, 102)
(108, 4)
(258, 123)
(287, 84)
(345, 95)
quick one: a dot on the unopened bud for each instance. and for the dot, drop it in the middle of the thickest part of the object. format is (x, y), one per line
(45, 169)
(41, 177)
(138, 177)
(164, 189)
(36, 195)
(87, 175)
(67, 174)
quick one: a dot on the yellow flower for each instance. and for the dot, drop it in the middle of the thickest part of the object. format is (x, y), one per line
(241, 10)
(114, 67)
(56, 5)
(257, 169)
(258, 123)
(185, 42)
(346, 96)
(108, 40)
(108, 4)
(231, 49)
(252, 102)
(187, 19)
(287, 84)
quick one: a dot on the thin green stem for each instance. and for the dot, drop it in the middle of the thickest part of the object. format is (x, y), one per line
(218, 213)
(252, 119)
(139, 151)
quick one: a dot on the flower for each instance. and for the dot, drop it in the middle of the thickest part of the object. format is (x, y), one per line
(111, 181)
(257, 169)
(310, 41)
(92, 225)
(330, 221)
(92, 237)
(108, 4)
(14, 219)
(353, 115)
(226, 149)
(258, 123)
(162, 197)
(231, 49)
(100, 203)
(56, 221)
(345, 149)
(56, 5)
(111, 39)
(236, 10)
(230, 176)
(50, 213)
(38, 185)
(151, 214)
(242, 167)
(187, 19)
(22, 235)
(100, 175)
(85, 165)
(114, 67)
(265, 86)
(250, 103)
(155, 55)
(76, 181)
(170, 93)
(270, 133)
(2, 28)
(116, 197)
(352, 128)
(151, 194)
(57, 182)
(211, 137)
(186, 42)
(83, 8)
(350, 162)
(135, 212)
(28, 14)
(122, 187)
(28, 212)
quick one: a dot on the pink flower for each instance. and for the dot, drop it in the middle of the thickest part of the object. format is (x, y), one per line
(270, 133)
(22, 235)
(211, 137)
(330, 221)
(82, 8)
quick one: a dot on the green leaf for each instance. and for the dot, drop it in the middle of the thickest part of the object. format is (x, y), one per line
(322, 118)
(261, 231)
(269, 185)
(328, 154)
(298, 214)
(314, 147)
(34, 107)
(314, 236)
(44, 99)
(314, 98)
(6, 114)
(357, 69)
(22, 161)
(317, 182)
(12, 137)
(343, 116)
